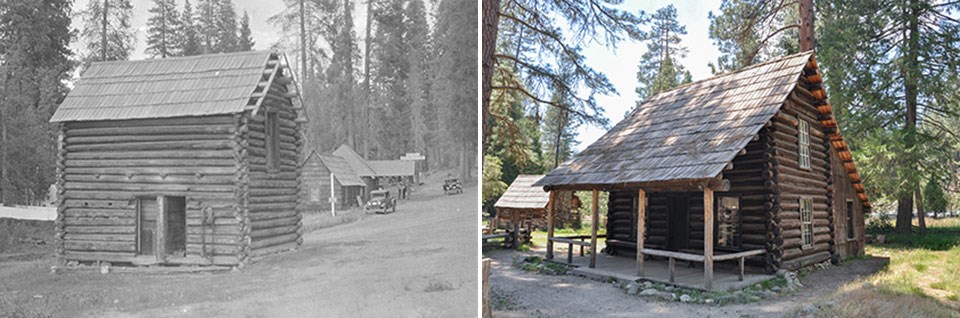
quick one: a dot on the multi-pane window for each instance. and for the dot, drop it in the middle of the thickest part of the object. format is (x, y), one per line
(728, 222)
(804, 144)
(272, 142)
(806, 221)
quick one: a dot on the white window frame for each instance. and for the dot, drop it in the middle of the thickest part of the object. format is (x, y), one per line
(803, 143)
(806, 222)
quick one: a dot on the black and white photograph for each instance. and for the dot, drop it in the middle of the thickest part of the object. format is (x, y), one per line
(239, 158)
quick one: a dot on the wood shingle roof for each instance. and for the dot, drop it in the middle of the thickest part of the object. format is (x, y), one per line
(521, 194)
(170, 87)
(688, 133)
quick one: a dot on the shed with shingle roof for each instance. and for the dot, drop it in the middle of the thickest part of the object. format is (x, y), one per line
(762, 146)
(521, 194)
(188, 160)
(316, 171)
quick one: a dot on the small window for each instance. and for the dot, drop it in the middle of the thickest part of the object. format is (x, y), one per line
(272, 142)
(850, 228)
(728, 221)
(314, 190)
(804, 144)
(806, 221)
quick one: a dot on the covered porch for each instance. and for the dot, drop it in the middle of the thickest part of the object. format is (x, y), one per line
(687, 267)
(726, 276)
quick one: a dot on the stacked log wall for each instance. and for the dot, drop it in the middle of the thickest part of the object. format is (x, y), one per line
(275, 221)
(105, 166)
(843, 192)
(751, 180)
(796, 183)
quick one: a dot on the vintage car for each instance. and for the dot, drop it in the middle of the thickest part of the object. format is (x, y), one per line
(381, 202)
(452, 186)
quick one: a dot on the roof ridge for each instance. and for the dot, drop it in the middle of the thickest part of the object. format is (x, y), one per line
(190, 57)
(736, 71)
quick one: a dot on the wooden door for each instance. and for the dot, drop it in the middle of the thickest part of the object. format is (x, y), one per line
(148, 212)
(678, 222)
(175, 226)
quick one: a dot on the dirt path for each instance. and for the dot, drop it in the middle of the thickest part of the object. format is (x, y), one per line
(517, 293)
(417, 262)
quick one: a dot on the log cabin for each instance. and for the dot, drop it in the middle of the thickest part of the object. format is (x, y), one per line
(521, 205)
(319, 174)
(180, 161)
(748, 165)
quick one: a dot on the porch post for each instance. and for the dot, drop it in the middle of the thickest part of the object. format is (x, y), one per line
(708, 238)
(641, 220)
(593, 233)
(551, 214)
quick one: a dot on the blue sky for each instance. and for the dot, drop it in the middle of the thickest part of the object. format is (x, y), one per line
(620, 64)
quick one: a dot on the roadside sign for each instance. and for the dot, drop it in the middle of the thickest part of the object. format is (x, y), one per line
(413, 156)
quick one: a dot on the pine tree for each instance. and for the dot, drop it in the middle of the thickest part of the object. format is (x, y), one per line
(753, 31)
(208, 13)
(419, 84)
(589, 20)
(246, 36)
(107, 31)
(456, 82)
(34, 45)
(659, 68)
(891, 95)
(163, 28)
(189, 40)
(390, 74)
(226, 24)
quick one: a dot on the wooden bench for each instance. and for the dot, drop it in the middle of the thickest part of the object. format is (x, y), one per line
(492, 236)
(671, 256)
(579, 240)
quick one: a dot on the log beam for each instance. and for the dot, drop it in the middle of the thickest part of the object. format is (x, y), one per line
(595, 212)
(708, 238)
(641, 228)
(551, 214)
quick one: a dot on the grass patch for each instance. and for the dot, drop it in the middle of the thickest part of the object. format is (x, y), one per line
(536, 264)
(540, 237)
(25, 239)
(921, 280)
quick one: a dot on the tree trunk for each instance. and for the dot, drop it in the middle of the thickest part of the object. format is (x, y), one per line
(556, 145)
(807, 39)
(367, 135)
(491, 22)
(921, 215)
(910, 73)
(4, 184)
(103, 35)
(904, 214)
(303, 46)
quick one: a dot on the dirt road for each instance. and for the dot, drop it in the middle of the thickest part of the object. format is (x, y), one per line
(517, 293)
(417, 262)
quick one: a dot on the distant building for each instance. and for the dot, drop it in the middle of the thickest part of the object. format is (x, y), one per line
(188, 160)
(377, 173)
(316, 181)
